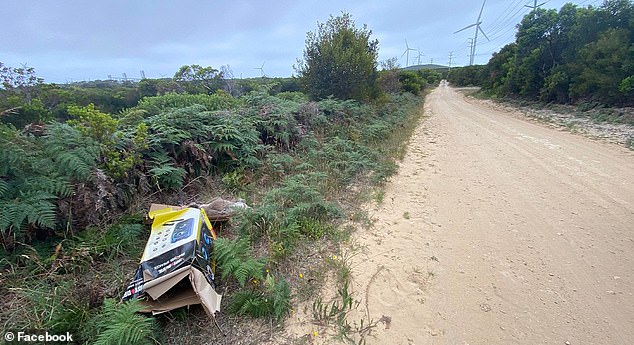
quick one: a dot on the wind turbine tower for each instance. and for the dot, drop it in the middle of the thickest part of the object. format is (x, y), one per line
(420, 55)
(406, 52)
(475, 37)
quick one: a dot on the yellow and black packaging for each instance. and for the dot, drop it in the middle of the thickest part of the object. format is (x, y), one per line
(176, 268)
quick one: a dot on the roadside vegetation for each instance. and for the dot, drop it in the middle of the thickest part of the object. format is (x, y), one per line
(80, 164)
(582, 56)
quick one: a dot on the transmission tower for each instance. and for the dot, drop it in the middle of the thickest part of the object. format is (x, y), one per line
(471, 48)
(450, 61)
(535, 5)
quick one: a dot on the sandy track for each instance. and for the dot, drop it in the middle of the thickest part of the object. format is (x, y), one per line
(501, 231)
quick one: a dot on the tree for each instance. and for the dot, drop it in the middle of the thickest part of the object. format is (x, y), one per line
(574, 55)
(199, 79)
(339, 60)
(18, 78)
(17, 88)
(229, 85)
(602, 68)
(388, 77)
(93, 123)
(498, 68)
(411, 82)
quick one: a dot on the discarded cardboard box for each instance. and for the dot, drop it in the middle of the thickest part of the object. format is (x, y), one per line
(176, 268)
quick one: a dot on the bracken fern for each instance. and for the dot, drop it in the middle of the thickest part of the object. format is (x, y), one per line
(35, 171)
(272, 299)
(121, 324)
(235, 259)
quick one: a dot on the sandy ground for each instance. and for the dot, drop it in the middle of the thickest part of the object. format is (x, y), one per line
(566, 117)
(498, 230)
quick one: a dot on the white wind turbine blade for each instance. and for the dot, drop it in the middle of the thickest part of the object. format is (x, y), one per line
(482, 31)
(466, 27)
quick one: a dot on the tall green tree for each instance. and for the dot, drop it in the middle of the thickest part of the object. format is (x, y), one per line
(498, 69)
(199, 79)
(340, 60)
(602, 67)
(574, 55)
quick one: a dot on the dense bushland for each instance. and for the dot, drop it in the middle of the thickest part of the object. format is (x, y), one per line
(574, 55)
(64, 187)
(79, 164)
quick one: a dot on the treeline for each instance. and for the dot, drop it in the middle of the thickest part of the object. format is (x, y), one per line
(26, 99)
(572, 55)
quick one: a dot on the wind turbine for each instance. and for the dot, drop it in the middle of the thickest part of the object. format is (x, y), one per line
(477, 29)
(406, 52)
(261, 68)
(419, 56)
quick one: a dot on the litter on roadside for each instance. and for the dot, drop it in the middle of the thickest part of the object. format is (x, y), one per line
(220, 209)
(177, 267)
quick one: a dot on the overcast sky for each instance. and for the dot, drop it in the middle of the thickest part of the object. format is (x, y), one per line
(87, 40)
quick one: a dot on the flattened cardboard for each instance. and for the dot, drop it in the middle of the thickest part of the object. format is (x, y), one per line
(198, 292)
(183, 298)
(179, 248)
(157, 287)
(207, 295)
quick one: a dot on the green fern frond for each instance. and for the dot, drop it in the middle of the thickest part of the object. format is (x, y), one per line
(242, 272)
(252, 303)
(7, 215)
(74, 154)
(43, 214)
(75, 164)
(221, 147)
(168, 176)
(121, 324)
(52, 185)
(4, 188)
(235, 259)
(273, 300)
(281, 298)
(35, 208)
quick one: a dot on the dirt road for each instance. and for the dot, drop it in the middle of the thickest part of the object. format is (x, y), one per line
(498, 230)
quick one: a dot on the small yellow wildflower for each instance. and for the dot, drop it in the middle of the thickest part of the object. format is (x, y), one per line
(301, 275)
(334, 257)
(315, 333)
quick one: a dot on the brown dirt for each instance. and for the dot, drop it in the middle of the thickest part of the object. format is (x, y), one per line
(498, 230)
